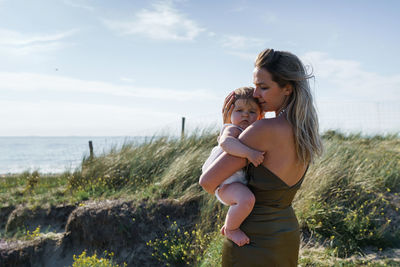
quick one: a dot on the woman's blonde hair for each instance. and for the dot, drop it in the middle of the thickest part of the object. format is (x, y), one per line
(286, 68)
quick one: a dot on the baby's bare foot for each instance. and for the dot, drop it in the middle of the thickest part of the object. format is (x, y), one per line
(237, 236)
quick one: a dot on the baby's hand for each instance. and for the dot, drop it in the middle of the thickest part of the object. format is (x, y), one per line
(256, 157)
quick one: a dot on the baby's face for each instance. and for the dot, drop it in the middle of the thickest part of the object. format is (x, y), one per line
(245, 113)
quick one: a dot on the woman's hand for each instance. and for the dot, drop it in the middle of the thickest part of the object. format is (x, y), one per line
(223, 167)
(228, 108)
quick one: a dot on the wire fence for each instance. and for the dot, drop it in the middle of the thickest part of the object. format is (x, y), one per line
(360, 117)
(368, 118)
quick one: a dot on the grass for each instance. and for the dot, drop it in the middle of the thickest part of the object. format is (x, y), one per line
(350, 197)
(348, 202)
(33, 189)
(325, 257)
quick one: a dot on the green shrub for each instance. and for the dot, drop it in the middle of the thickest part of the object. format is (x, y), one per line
(31, 181)
(83, 260)
(180, 247)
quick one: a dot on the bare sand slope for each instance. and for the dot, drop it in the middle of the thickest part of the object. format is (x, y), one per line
(113, 225)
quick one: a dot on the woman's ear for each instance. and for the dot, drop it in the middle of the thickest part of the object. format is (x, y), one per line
(288, 89)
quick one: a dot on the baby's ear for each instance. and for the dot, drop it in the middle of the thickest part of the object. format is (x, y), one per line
(261, 116)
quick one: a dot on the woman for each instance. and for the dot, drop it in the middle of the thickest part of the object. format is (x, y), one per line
(290, 142)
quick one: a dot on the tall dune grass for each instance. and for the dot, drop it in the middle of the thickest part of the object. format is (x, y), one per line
(350, 197)
(348, 201)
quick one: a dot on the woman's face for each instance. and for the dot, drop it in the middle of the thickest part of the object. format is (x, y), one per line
(269, 94)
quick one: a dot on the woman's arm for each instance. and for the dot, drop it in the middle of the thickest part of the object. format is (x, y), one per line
(221, 169)
(226, 165)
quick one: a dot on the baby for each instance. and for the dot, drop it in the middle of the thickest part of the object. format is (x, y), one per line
(233, 191)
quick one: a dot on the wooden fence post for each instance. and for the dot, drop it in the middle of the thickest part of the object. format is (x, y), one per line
(183, 128)
(91, 149)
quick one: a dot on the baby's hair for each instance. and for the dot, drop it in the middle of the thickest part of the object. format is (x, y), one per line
(245, 93)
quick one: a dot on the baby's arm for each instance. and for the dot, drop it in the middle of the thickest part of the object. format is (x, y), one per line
(231, 145)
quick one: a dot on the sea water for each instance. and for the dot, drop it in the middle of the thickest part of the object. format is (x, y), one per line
(53, 154)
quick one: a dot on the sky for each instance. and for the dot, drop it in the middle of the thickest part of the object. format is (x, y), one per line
(131, 68)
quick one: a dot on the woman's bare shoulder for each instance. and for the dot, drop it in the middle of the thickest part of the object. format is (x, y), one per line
(262, 132)
(268, 126)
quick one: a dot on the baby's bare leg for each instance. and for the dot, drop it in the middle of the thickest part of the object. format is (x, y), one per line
(241, 201)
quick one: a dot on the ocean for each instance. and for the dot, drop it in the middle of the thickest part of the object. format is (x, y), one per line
(53, 154)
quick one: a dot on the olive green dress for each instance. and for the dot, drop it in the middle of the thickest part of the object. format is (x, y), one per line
(271, 226)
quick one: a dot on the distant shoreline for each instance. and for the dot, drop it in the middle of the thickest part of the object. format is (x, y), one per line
(53, 154)
(42, 174)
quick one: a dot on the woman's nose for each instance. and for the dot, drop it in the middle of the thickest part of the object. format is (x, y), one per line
(256, 93)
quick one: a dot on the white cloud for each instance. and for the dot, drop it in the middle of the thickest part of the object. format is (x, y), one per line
(346, 80)
(67, 118)
(243, 47)
(149, 110)
(42, 82)
(269, 18)
(79, 4)
(8, 37)
(240, 42)
(16, 43)
(162, 22)
(127, 80)
(244, 55)
(238, 9)
(33, 49)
